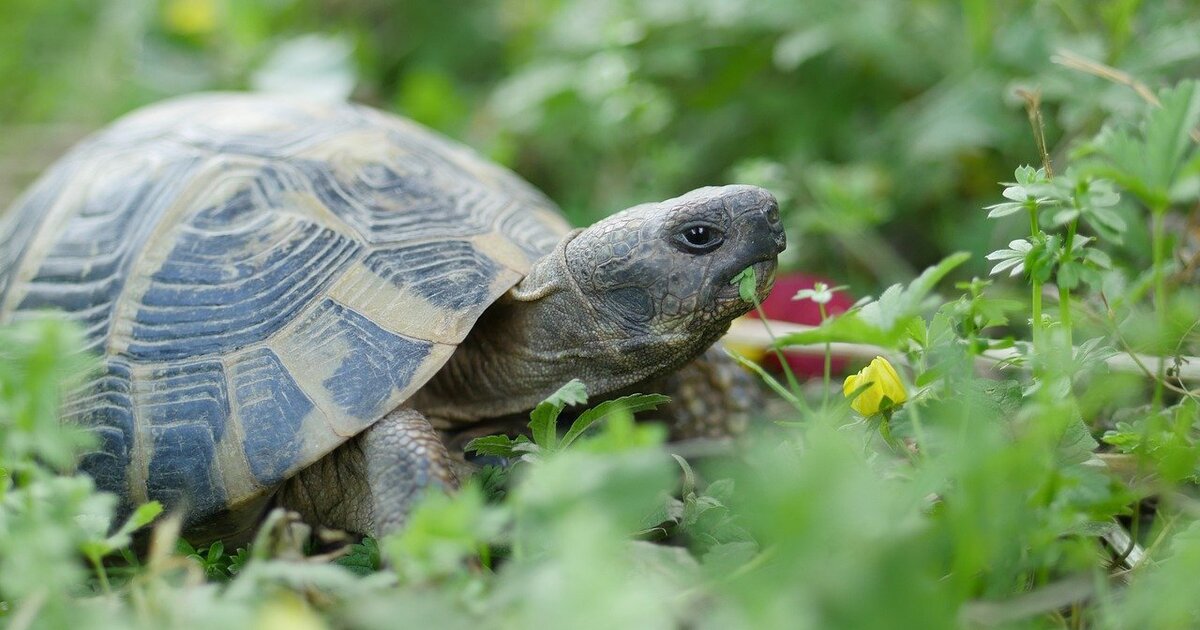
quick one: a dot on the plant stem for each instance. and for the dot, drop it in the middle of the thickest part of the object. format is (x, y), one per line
(914, 416)
(1033, 107)
(793, 384)
(828, 356)
(1158, 248)
(1035, 297)
(100, 573)
(1064, 294)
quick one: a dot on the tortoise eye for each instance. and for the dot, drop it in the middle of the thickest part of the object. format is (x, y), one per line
(699, 238)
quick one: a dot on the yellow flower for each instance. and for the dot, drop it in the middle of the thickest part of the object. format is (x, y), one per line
(883, 382)
(191, 17)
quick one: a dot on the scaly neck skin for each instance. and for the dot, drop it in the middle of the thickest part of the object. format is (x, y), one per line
(540, 335)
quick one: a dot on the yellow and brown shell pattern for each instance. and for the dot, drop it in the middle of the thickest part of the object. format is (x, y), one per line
(262, 278)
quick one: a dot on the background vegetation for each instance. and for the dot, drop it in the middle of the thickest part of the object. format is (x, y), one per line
(1003, 499)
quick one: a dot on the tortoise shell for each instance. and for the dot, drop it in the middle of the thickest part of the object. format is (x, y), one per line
(263, 279)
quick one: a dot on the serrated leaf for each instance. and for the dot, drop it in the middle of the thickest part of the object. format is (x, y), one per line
(543, 420)
(1149, 163)
(1168, 131)
(498, 445)
(633, 403)
(898, 303)
(1077, 443)
(362, 558)
(882, 322)
(573, 392)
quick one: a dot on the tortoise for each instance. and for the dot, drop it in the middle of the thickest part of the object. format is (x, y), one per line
(293, 300)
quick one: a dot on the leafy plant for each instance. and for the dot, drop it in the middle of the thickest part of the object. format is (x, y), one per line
(543, 422)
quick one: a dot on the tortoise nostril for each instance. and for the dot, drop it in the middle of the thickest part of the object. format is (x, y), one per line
(771, 212)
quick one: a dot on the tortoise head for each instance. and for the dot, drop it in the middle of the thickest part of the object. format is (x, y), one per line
(666, 269)
(634, 296)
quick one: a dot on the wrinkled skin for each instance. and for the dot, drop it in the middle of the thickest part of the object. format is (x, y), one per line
(620, 302)
(627, 301)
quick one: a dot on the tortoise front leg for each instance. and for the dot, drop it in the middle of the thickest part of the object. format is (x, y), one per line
(370, 483)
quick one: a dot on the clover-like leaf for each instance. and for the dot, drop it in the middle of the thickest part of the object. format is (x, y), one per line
(747, 283)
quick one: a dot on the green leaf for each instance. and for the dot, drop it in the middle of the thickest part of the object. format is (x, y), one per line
(1168, 132)
(1068, 275)
(442, 531)
(849, 327)
(184, 548)
(1011, 259)
(215, 552)
(747, 284)
(689, 476)
(1077, 443)
(493, 481)
(498, 445)
(142, 516)
(543, 424)
(633, 403)
(543, 420)
(362, 558)
(573, 392)
(1004, 209)
(1150, 163)
(883, 322)
(896, 304)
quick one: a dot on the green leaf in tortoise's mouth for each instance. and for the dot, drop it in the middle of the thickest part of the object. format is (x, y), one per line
(753, 282)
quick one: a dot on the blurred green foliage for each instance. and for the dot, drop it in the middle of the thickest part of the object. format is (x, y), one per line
(882, 125)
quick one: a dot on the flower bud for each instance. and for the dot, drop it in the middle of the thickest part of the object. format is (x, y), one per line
(884, 383)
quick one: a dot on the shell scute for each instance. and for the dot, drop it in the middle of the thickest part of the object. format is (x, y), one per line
(449, 274)
(186, 414)
(105, 407)
(271, 409)
(371, 363)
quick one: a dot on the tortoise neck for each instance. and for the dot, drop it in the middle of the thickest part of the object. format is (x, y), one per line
(541, 334)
